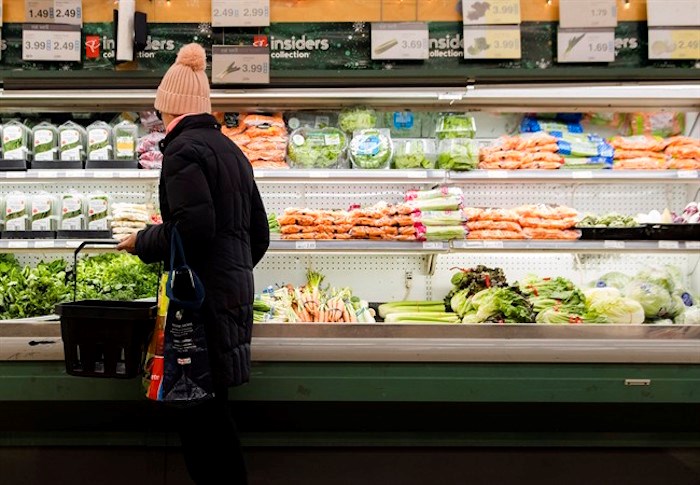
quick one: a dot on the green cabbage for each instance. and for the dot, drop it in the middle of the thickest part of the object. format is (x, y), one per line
(613, 279)
(655, 299)
(613, 307)
(691, 316)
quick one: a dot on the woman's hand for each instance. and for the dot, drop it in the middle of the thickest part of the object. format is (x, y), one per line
(128, 244)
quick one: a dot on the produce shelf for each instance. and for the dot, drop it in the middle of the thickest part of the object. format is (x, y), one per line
(50, 245)
(359, 247)
(576, 246)
(350, 176)
(79, 174)
(577, 176)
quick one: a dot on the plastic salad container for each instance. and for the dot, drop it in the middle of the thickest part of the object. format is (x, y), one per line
(371, 149)
(455, 125)
(317, 148)
(414, 153)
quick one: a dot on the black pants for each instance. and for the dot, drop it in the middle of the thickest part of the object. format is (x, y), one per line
(210, 443)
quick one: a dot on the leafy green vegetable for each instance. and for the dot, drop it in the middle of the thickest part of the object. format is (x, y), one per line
(546, 293)
(455, 125)
(470, 281)
(611, 306)
(353, 119)
(613, 279)
(412, 154)
(371, 149)
(322, 148)
(656, 301)
(498, 305)
(272, 222)
(458, 154)
(608, 220)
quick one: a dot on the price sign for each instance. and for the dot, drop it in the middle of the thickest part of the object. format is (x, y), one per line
(668, 244)
(240, 65)
(54, 12)
(583, 174)
(240, 13)
(586, 45)
(687, 174)
(587, 13)
(614, 244)
(417, 174)
(493, 12)
(674, 43)
(673, 13)
(44, 244)
(404, 40)
(493, 244)
(45, 42)
(17, 244)
(319, 174)
(493, 42)
(692, 244)
(433, 245)
(497, 174)
(305, 245)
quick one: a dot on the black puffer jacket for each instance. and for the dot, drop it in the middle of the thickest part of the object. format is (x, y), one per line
(207, 188)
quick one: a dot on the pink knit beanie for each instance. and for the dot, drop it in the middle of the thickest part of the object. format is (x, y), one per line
(185, 87)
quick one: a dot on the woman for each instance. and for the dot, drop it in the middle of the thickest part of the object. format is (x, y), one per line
(207, 189)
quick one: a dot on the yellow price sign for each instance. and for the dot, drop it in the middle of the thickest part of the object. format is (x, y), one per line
(492, 42)
(493, 12)
(674, 43)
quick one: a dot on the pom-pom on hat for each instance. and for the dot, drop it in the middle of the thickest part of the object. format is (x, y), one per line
(185, 87)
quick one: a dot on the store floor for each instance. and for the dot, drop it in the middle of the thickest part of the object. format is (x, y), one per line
(365, 466)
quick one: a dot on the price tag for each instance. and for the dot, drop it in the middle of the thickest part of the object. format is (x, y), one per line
(44, 244)
(493, 244)
(45, 42)
(79, 174)
(417, 174)
(692, 245)
(497, 174)
(614, 244)
(240, 65)
(674, 43)
(668, 244)
(319, 174)
(450, 97)
(125, 174)
(587, 13)
(305, 245)
(586, 45)
(47, 174)
(584, 174)
(433, 245)
(240, 13)
(473, 244)
(672, 13)
(73, 244)
(260, 174)
(15, 175)
(53, 12)
(493, 12)
(17, 244)
(102, 174)
(687, 174)
(403, 40)
(493, 42)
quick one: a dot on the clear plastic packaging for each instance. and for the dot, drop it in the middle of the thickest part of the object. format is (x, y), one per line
(45, 142)
(43, 212)
(458, 154)
(15, 141)
(72, 138)
(72, 216)
(440, 192)
(403, 124)
(99, 145)
(455, 125)
(311, 119)
(125, 136)
(351, 120)
(371, 149)
(98, 212)
(317, 148)
(414, 153)
(16, 211)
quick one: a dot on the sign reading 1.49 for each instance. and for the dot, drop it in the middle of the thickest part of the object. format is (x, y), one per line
(54, 12)
(240, 13)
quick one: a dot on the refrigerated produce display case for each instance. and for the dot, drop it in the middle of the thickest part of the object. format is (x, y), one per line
(417, 363)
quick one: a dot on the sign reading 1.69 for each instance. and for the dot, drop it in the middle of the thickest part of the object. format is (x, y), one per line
(240, 13)
(45, 42)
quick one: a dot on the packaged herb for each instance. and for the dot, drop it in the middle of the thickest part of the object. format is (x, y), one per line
(16, 211)
(15, 141)
(98, 212)
(99, 146)
(125, 136)
(71, 141)
(72, 212)
(45, 141)
(43, 212)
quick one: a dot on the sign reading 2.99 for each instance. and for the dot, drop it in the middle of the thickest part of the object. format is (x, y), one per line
(240, 13)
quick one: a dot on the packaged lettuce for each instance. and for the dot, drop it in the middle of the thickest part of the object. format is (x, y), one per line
(455, 125)
(458, 154)
(71, 141)
(403, 124)
(45, 142)
(16, 211)
(99, 146)
(311, 119)
(317, 148)
(43, 212)
(351, 120)
(72, 212)
(412, 153)
(125, 136)
(98, 212)
(15, 141)
(371, 149)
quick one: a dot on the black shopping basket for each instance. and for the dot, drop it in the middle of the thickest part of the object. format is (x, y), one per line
(104, 338)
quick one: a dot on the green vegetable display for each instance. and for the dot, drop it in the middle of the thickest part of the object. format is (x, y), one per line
(546, 293)
(28, 292)
(608, 220)
(272, 222)
(317, 148)
(354, 119)
(371, 149)
(412, 154)
(458, 154)
(455, 125)
(497, 305)
(470, 281)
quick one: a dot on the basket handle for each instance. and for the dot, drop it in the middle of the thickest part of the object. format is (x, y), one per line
(74, 273)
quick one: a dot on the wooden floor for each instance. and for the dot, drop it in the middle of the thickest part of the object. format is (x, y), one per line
(363, 466)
